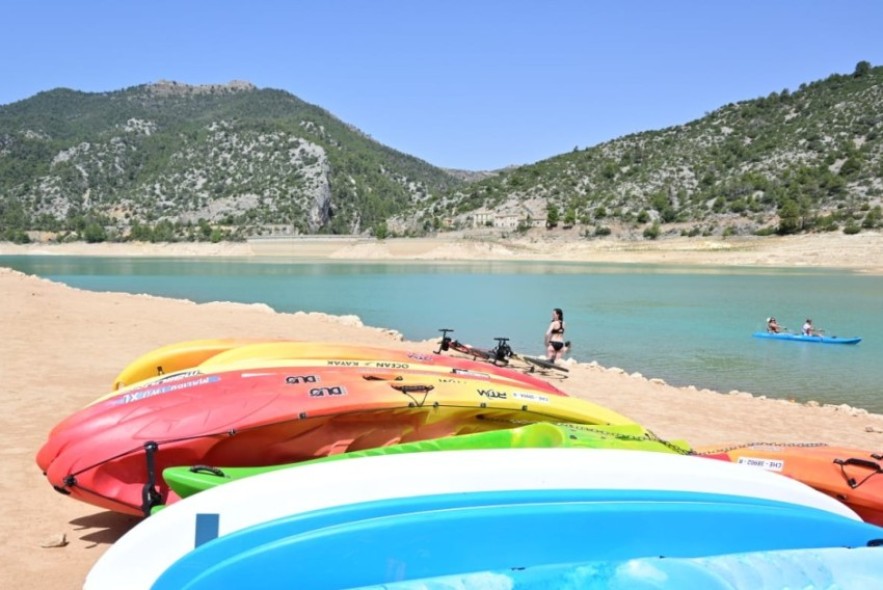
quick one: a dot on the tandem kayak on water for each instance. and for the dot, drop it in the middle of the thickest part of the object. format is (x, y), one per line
(804, 338)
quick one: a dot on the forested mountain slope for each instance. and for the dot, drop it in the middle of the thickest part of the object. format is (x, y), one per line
(169, 161)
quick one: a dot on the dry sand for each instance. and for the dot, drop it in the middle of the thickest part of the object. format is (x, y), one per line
(62, 347)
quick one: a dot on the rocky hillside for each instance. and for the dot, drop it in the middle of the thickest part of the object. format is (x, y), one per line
(168, 161)
(807, 160)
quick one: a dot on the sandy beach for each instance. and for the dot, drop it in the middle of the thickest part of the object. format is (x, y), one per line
(62, 348)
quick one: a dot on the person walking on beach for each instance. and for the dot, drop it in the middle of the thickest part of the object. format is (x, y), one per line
(555, 335)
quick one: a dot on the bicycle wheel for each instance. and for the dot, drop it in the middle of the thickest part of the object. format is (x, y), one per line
(470, 350)
(543, 363)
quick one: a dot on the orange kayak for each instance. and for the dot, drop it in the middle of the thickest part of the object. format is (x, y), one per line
(853, 476)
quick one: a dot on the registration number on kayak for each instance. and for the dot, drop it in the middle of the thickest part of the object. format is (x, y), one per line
(768, 464)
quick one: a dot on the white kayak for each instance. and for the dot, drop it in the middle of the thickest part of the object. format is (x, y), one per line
(141, 556)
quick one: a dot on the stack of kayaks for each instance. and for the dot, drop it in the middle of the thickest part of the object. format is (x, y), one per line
(346, 466)
(277, 404)
(213, 353)
(397, 517)
(186, 481)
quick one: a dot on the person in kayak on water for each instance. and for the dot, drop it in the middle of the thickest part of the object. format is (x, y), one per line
(555, 336)
(808, 329)
(772, 325)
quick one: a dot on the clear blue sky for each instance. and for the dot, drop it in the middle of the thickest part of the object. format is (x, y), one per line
(467, 84)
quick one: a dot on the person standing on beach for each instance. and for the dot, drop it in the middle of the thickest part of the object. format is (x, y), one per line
(555, 335)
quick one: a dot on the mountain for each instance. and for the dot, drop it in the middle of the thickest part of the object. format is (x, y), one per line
(169, 161)
(809, 160)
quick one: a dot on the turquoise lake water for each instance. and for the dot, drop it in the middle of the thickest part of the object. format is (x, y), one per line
(685, 325)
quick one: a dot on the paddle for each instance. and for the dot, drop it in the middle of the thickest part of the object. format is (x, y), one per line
(782, 330)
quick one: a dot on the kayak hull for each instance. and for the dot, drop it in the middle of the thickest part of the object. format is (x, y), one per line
(186, 481)
(853, 476)
(636, 486)
(111, 454)
(804, 338)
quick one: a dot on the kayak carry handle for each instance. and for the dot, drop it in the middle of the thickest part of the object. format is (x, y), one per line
(383, 377)
(860, 463)
(207, 469)
(416, 388)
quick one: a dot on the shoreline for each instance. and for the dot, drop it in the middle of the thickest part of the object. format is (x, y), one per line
(861, 252)
(64, 346)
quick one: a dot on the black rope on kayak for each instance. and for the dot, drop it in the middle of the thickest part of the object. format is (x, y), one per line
(860, 463)
(168, 441)
(150, 495)
(670, 445)
(92, 492)
(70, 480)
(234, 432)
(649, 436)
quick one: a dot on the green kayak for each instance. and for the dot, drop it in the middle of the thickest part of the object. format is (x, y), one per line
(186, 481)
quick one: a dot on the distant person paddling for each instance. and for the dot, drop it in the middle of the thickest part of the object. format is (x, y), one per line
(554, 339)
(808, 329)
(772, 326)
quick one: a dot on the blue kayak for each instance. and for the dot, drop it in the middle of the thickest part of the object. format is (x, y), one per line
(803, 338)
(384, 541)
(831, 567)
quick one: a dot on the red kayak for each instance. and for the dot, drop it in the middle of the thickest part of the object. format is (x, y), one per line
(112, 453)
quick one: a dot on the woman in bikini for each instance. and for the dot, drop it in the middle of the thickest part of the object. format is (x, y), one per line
(555, 335)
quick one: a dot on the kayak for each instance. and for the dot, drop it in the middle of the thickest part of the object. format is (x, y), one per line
(267, 352)
(175, 357)
(853, 476)
(382, 542)
(111, 454)
(212, 355)
(186, 481)
(627, 503)
(804, 338)
(376, 368)
(829, 567)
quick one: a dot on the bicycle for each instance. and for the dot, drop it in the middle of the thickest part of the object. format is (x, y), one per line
(499, 355)
(537, 363)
